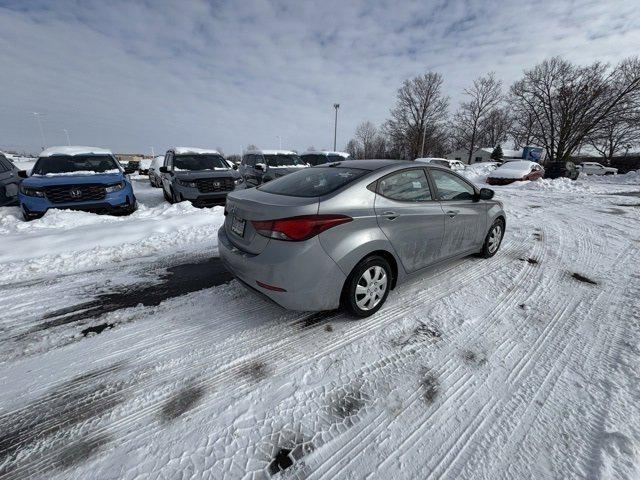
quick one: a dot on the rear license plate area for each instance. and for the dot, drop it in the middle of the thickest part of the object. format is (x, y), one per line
(237, 226)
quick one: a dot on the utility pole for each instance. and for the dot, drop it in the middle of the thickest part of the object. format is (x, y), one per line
(424, 134)
(335, 126)
(66, 132)
(44, 142)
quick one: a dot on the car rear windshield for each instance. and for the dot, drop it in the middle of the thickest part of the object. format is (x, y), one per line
(59, 164)
(282, 160)
(199, 162)
(313, 182)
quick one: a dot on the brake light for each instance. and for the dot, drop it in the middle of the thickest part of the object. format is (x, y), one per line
(297, 229)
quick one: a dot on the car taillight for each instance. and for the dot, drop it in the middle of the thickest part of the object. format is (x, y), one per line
(297, 229)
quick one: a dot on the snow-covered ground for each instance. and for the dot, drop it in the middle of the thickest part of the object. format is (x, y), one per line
(127, 352)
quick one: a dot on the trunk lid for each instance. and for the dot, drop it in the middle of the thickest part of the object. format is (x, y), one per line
(253, 204)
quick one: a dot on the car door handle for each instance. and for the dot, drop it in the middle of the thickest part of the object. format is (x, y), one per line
(390, 215)
(452, 213)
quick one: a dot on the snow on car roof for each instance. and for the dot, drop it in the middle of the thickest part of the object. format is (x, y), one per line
(75, 150)
(513, 169)
(326, 152)
(272, 152)
(194, 150)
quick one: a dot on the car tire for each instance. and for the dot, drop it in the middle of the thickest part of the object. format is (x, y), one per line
(491, 243)
(372, 274)
(166, 196)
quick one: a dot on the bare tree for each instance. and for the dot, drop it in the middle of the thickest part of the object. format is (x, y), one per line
(494, 128)
(353, 149)
(522, 128)
(483, 97)
(419, 114)
(568, 102)
(614, 135)
(365, 135)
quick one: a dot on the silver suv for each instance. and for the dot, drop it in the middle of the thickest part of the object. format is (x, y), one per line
(204, 177)
(345, 233)
(261, 166)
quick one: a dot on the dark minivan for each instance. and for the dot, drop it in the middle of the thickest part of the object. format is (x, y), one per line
(9, 182)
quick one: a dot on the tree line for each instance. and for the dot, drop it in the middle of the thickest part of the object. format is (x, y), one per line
(557, 105)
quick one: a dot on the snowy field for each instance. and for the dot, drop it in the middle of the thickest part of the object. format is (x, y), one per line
(127, 352)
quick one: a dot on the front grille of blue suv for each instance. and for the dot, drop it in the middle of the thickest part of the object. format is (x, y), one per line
(77, 178)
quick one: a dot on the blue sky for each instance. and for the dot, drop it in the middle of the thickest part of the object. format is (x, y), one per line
(135, 74)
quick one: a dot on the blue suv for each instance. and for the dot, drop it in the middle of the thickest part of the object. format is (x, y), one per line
(77, 178)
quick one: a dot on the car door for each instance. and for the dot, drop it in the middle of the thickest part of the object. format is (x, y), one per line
(166, 177)
(410, 217)
(250, 173)
(464, 215)
(8, 182)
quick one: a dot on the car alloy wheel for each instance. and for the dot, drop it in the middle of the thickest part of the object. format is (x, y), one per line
(371, 288)
(495, 236)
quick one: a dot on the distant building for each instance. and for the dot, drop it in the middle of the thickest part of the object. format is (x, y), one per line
(535, 154)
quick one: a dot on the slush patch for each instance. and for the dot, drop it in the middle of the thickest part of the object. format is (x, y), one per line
(181, 403)
(80, 451)
(255, 370)
(582, 278)
(281, 461)
(347, 402)
(430, 386)
(328, 328)
(97, 329)
(532, 261)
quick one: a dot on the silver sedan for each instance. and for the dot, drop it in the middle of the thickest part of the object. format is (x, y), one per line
(344, 234)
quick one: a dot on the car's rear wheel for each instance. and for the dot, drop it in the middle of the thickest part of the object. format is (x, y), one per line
(493, 239)
(367, 287)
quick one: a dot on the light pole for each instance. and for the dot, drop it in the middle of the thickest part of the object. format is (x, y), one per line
(44, 142)
(424, 134)
(66, 132)
(335, 125)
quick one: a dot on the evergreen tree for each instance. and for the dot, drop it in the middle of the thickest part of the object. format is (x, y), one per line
(497, 154)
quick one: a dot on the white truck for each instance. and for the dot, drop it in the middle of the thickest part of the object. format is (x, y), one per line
(594, 168)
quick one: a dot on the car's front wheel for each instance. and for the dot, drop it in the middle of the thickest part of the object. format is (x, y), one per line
(493, 239)
(367, 287)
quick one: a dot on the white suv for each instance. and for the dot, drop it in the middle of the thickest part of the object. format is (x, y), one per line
(594, 168)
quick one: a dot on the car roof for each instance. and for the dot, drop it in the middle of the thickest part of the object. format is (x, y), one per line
(74, 150)
(368, 164)
(194, 150)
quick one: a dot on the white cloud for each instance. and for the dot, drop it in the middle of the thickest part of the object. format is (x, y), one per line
(131, 75)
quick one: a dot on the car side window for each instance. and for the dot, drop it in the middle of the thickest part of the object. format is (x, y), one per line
(451, 187)
(249, 160)
(406, 186)
(4, 167)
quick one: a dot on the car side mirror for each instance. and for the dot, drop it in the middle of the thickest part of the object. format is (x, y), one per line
(163, 169)
(235, 167)
(261, 167)
(22, 174)
(486, 194)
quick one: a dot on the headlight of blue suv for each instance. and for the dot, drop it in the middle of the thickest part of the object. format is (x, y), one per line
(185, 183)
(31, 192)
(114, 188)
(238, 181)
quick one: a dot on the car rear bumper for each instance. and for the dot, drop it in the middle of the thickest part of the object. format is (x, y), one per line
(311, 279)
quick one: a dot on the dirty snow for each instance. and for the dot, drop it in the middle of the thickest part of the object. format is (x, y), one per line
(125, 352)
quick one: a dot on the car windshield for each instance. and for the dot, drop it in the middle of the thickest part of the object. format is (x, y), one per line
(199, 162)
(65, 164)
(313, 182)
(283, 160)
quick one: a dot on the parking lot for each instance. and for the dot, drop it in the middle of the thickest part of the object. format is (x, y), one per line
(126, 354)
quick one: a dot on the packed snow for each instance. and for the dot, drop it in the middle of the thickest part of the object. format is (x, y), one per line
(127, 352)
(513, 169)
(74, 150)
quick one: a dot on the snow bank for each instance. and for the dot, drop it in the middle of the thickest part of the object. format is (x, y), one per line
(478, 172)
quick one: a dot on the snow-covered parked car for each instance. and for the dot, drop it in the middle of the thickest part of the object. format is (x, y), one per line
(595, 168)
(520, 170)
(261, 166)
(455, 165)
(9, 181)
(314, 158)
(154, 171)
(77, 178)
(202, 176)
